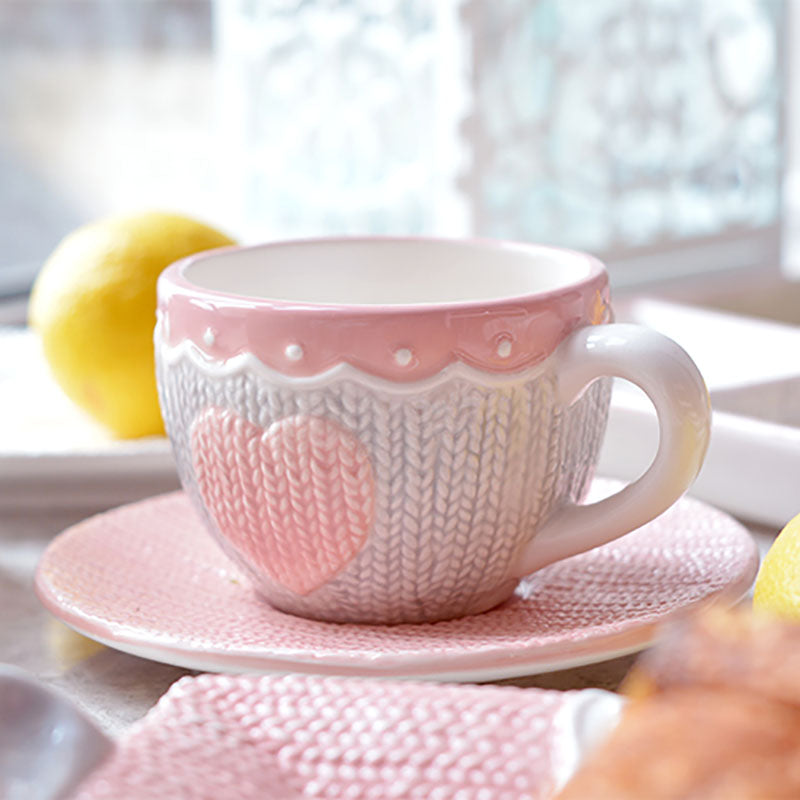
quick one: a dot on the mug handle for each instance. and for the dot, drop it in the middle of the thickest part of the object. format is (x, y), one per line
(674, 385)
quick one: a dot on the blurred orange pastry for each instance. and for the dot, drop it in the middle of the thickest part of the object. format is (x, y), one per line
(714, 714)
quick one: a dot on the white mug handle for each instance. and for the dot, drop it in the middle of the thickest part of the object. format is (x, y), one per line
(674, 385)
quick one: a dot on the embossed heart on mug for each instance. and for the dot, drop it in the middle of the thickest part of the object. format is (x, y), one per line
(296, 499)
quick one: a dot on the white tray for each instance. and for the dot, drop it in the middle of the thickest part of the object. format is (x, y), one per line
(52, 455)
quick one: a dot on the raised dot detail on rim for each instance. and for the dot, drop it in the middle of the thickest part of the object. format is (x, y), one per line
(504, 348)
(209, 337)
(403, 356)
(293, 352)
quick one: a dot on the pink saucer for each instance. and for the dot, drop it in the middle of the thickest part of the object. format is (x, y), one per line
(147, 579)
(249, 738)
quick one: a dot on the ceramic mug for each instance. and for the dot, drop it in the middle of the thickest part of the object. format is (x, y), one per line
(398, 430)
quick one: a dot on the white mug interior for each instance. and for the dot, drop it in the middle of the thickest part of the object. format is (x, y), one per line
(383, 271)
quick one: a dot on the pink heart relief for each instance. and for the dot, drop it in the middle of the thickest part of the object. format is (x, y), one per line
(296, 499)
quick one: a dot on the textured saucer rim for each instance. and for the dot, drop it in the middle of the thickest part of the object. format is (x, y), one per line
(442, 669)
(493, 661)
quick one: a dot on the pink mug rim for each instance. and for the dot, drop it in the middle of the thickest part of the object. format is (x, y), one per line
(407, 342)
(176, 274)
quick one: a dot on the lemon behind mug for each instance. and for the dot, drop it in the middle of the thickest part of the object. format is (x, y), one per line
(93, 307)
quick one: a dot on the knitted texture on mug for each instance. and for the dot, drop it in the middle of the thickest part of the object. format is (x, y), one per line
(462, 473)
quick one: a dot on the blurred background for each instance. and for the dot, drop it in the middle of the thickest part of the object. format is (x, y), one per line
(654, 133)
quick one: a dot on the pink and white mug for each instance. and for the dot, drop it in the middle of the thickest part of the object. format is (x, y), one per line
(398, 430)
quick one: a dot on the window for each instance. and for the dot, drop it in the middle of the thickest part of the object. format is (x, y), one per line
(647, 131)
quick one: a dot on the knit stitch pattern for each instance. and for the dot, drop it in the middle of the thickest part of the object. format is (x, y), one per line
(433, 493)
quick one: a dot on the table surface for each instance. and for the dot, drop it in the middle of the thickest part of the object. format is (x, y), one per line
(115, 688)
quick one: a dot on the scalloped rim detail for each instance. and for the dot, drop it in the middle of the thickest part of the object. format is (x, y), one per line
(247, 362)
(403, 342)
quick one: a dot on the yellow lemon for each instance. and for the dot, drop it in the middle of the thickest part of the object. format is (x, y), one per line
(93, 306)
(777, 588)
